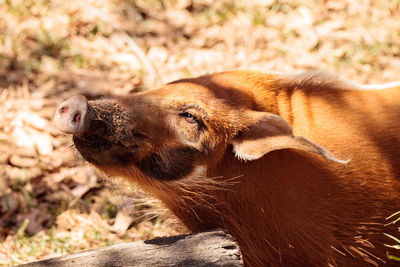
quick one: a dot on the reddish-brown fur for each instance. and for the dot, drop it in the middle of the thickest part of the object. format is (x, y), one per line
(286, 206)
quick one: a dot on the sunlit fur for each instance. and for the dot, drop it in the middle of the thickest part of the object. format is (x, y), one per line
(290, 207)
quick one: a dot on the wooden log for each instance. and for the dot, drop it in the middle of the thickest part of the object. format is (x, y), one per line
(213, 248)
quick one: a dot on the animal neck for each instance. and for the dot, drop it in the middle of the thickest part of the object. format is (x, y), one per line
(286, 200)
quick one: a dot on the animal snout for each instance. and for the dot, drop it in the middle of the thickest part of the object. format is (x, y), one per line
(72, 115)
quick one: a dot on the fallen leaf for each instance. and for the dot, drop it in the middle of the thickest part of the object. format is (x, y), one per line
(4, 157)
(81, 189)
(121, 223)
(63, 156)
(63, 173)
(22, 174)
(20, 137)
(25, 152)
(158, 54)
(34, 120)
(43, 141)
(23, 162)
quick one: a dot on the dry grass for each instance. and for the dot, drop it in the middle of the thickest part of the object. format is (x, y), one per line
(53, 204)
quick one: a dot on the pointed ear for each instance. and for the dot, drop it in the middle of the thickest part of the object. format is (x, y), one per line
(271, 133)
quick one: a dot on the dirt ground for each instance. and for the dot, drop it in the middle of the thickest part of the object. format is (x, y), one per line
(52, 202)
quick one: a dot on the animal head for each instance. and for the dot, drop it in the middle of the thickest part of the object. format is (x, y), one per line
(166, 132)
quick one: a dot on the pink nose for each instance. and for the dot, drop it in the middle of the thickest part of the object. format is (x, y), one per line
(71, 116)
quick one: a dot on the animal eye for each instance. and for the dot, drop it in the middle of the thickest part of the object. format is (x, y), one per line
(189, 117)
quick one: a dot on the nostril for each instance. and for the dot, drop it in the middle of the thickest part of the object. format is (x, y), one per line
(64, 110)
(77, 118)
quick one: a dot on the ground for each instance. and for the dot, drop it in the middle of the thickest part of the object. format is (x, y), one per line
(51, 201)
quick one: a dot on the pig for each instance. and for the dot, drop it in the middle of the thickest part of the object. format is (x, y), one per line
(302, 170)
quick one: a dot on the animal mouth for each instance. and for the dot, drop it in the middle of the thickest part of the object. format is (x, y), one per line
(93, 142)
(98, 150)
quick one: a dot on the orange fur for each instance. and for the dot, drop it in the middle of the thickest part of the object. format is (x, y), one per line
(290, 207)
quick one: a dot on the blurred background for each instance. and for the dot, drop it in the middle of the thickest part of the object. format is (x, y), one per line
(51, 202)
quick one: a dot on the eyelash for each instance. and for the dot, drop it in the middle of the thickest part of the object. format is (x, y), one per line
(189, 117)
